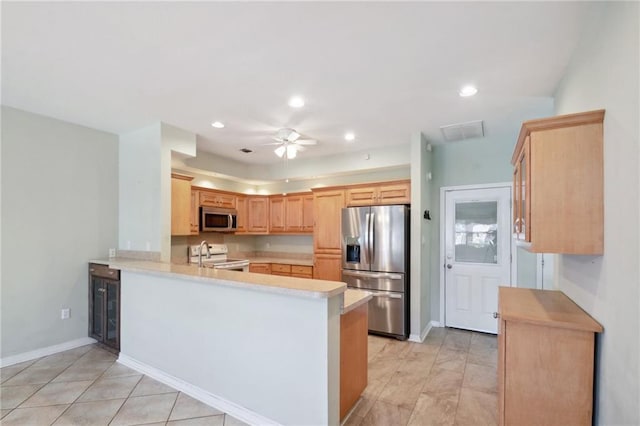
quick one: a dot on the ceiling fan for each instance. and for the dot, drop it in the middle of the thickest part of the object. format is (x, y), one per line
(289, 142)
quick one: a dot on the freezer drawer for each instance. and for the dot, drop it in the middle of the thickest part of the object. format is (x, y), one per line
(382, 281)
(387, 312)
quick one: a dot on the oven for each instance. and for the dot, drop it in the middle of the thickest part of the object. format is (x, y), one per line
(215, 257)
(230, 265)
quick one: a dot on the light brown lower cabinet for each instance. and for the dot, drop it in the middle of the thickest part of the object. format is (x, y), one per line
(353, 357)
(283, 269)
(327, 267)
(546, 349)
(280, 269)
(260, 268)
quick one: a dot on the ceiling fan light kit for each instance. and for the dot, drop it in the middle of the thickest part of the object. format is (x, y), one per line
(290, 149)
(289, 142)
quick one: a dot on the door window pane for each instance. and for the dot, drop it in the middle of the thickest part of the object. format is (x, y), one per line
(476, 231)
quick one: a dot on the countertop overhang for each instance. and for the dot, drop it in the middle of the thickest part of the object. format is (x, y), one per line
(262, 282)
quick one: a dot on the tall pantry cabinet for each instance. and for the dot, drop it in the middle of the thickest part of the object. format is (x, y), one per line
(327, 234)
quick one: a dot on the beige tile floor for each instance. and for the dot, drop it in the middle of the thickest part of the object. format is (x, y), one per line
(85, 386)
(450, 379)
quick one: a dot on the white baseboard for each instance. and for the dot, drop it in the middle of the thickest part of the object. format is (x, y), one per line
(200, 394)
(49, 350)
(425, 332)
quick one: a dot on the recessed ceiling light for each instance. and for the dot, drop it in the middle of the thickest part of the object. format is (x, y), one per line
(217, 125)
(349, 136)
(468, 91)
(296, 102)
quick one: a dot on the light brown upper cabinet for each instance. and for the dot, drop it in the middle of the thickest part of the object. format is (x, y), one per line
(223, 199)
(307, 213)
(277, 221)
(181, 204)
(291, 214)
(299, 213)
(327, 235)
(195, 212)
(378, 194)
(558, 184)
(241, 218)
(257, 214)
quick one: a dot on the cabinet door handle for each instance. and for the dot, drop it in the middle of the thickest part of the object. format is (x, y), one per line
(496, 315)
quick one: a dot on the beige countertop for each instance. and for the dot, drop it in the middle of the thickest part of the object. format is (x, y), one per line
(273, 283)
(284, 260)
(355, 298)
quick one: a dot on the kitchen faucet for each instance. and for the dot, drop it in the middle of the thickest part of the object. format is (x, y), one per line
(205, 244)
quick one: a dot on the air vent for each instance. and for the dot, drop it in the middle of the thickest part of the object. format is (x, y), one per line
(246, 150)
(461, 131)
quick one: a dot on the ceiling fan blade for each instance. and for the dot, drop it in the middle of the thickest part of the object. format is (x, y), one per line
(271, 143)
(278, 139)
(306, 142)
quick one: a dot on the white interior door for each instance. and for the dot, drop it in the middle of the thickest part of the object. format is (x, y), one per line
(477, 255)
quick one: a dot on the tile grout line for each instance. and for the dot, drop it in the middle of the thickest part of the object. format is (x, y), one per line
(172, 407)
(425, 382)
(47, 383)
(83, 392)
(127, 398)
(464, 371)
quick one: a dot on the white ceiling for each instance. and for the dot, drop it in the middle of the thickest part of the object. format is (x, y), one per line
(382, 70)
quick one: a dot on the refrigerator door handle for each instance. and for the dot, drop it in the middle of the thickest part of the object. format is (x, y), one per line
(391, 295)
(374, 275)
(372, 241)
(366, 240)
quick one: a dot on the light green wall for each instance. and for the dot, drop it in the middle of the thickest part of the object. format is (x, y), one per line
(60, 195)
(469, 162)
(139, 171)
(421, 229)
(144, 170)
(527, 265)
(393, 155)
(604, 73)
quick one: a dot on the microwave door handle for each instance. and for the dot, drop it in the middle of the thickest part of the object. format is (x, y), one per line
(230, 221)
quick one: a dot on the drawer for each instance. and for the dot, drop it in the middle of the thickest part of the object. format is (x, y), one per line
(104, 271)
(282, 274)
(260, 268)
(301, 270)
(279, 267)
(307, 276)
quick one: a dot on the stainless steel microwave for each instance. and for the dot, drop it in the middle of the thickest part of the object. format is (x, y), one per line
(218, 219)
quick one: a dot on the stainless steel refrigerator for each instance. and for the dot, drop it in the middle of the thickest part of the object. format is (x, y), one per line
(375, 250)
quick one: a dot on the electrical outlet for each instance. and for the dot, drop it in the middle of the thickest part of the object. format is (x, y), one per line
(112, 252)
(65, 313)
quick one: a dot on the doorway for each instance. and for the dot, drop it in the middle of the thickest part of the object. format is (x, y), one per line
(475, 254)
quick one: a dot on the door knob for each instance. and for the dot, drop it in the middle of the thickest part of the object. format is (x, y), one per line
(449, 266)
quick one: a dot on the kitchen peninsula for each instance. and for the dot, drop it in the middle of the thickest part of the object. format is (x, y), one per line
(263, 346)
